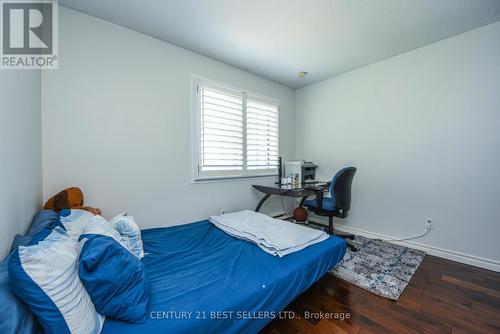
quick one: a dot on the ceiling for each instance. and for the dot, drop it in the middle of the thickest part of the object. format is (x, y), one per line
(276, 39)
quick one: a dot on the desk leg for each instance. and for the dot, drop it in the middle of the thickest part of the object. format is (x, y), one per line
(262, 202)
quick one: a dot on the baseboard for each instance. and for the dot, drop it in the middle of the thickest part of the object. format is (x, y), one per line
(436, 251)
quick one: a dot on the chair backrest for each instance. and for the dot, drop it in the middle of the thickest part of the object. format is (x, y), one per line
(340, 188)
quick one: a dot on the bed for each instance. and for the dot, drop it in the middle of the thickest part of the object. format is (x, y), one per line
(204, 281)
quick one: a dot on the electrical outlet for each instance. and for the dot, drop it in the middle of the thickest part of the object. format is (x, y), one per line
(429, 223)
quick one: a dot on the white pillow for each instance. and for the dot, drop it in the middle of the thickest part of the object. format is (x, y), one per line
(99, 225)
(130, 233)
(76, 222)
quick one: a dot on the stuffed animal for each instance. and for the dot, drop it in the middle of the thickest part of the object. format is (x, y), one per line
(71, 198)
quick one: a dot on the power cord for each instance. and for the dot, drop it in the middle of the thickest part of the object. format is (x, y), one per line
(283, 204)
(410, 238)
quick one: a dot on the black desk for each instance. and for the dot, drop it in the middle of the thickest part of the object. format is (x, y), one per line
(302, 191)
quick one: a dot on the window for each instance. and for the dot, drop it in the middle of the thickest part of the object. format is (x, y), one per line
(235, 133)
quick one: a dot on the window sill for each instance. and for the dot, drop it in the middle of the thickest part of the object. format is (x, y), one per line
(213, 179)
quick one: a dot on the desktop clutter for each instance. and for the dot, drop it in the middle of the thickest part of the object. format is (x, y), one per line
(297, 173)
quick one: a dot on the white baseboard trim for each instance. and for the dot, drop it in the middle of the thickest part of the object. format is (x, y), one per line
(436, 251)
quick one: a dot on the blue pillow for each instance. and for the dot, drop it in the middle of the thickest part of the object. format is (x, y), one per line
(44, 233)
(45, 277)
(42, 220)
(114, 278)
(15, 317)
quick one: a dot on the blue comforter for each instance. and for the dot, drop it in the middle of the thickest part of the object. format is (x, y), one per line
(204, 281)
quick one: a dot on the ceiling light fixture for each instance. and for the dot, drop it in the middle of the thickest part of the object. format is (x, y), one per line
(303, 74)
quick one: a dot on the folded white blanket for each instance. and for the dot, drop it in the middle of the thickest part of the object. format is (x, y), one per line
(277, 237)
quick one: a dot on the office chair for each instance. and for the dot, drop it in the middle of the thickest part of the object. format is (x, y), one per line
(339, 204)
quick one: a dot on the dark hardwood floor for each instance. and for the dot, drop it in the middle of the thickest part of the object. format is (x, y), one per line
(442, 297)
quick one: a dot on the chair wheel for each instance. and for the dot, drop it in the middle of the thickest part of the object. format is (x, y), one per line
(352, 248)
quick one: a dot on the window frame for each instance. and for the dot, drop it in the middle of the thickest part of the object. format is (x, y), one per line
(196, 176)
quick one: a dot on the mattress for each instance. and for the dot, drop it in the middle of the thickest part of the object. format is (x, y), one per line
(203, 280)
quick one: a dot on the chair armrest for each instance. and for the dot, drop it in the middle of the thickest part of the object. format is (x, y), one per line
(318, 191)
(319, 199)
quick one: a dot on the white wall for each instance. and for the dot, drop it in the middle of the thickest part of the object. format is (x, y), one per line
(116, 122)
(20, 152)
(423, 129)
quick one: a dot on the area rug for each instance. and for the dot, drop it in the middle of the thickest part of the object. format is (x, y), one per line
(378, 266)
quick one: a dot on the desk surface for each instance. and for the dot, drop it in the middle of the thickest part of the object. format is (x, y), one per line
(303, 190)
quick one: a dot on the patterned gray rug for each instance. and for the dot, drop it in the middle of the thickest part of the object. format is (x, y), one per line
(379, 267)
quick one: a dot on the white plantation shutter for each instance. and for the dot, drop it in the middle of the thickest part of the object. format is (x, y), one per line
(236, 133)
(262, 134)
(221, 130)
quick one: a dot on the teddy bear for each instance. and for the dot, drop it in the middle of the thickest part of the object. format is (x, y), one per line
(71, 198)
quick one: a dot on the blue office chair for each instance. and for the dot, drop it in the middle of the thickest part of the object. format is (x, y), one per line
(339, 204)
